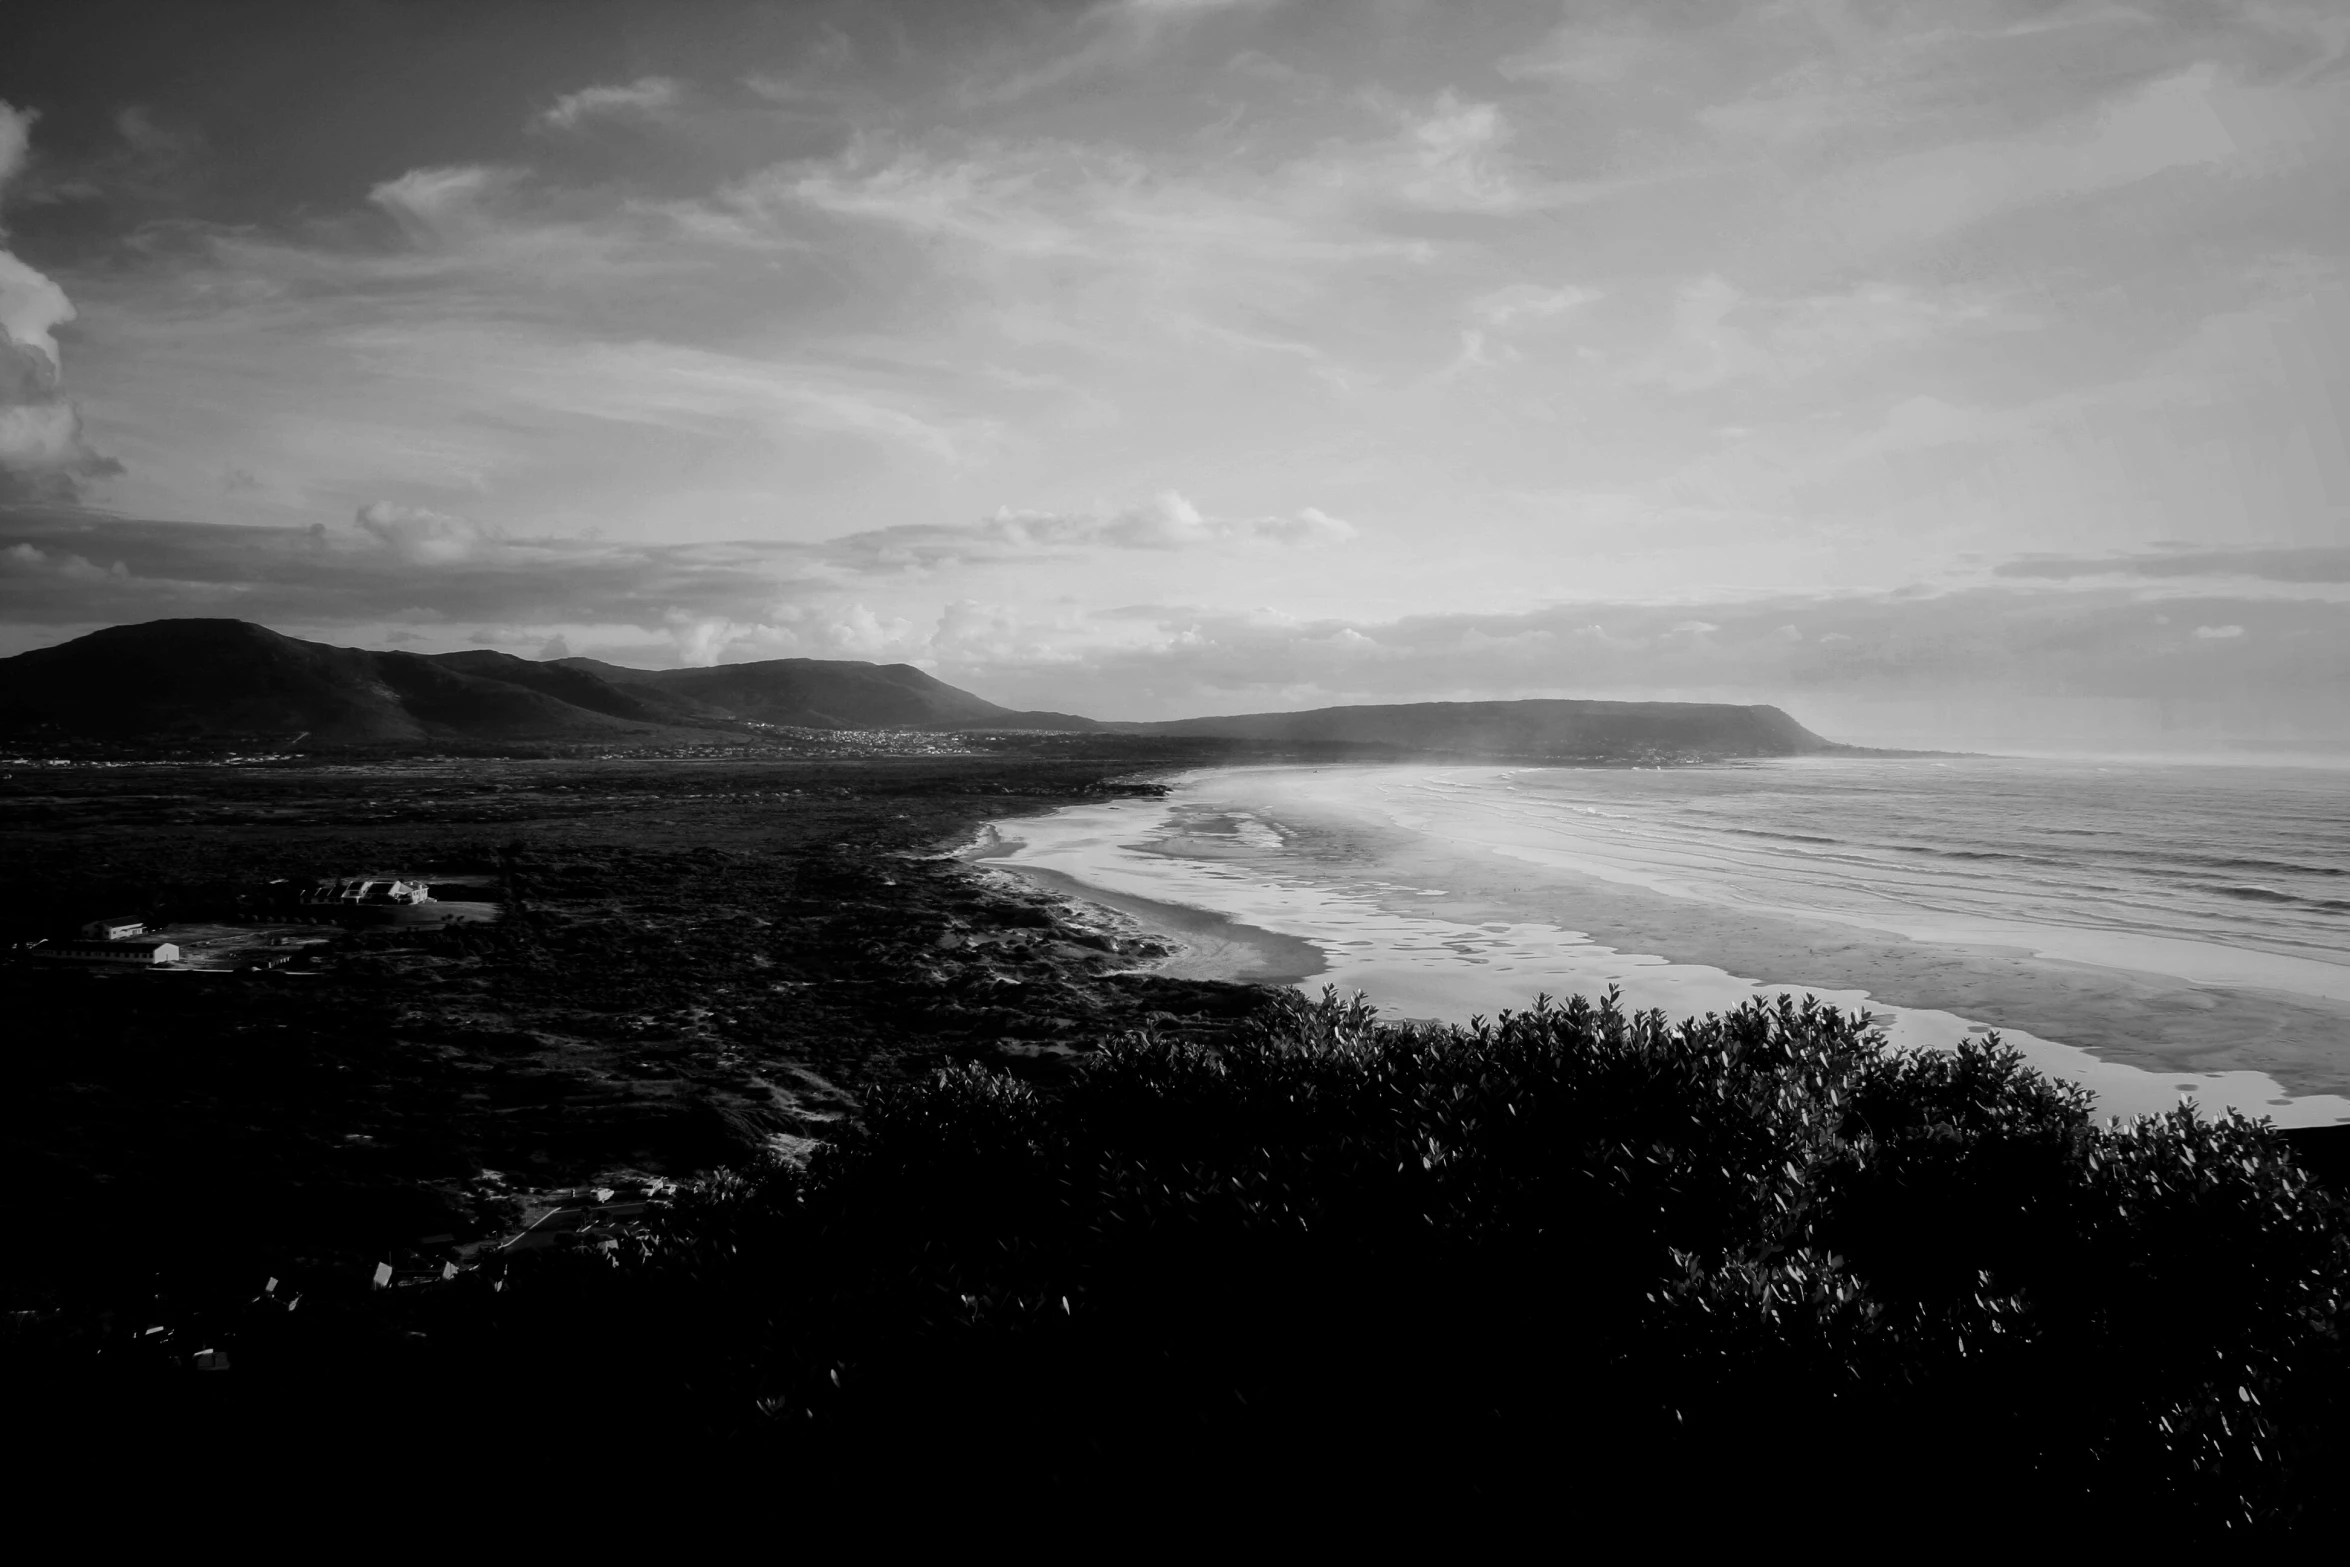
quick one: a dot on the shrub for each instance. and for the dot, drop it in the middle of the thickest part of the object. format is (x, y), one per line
(1747, 1274)
(1575, 1249)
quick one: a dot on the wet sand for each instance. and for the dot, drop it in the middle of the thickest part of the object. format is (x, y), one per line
(1207, 945)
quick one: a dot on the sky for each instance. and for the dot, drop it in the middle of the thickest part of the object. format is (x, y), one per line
(1950, 373)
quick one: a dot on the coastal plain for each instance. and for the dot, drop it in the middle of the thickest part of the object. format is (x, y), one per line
(693, 963)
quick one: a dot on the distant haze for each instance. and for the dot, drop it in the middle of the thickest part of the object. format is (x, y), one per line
(1957, 374)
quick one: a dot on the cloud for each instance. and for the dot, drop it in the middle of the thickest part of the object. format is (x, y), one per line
(851, 631)
(421, 536)
(440, 205)
(30, 561)
(1045, 199)
(1456, 159)
(1167, 521)
(44, 454)
(401, 563)
(397, 564)
(501, 372)
(1117, 35)
(16, 142)
(2189, 120)
(1718, 333)
(1505, 310)
(2012, 651)
(1182, 8)
(1527, 302)
(648, 97)
(2310, 564)
(1580, 55)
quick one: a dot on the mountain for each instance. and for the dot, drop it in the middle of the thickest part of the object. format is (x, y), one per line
(187, 679)
(579, 687)
(1560, 728)
(818, 693)
(192, 679)
(170, 680)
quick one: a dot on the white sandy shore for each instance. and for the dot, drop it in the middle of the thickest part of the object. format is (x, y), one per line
(1431, 920)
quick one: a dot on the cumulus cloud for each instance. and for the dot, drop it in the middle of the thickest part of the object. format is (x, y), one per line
(31, 561)
(44, 454)
(974, 635)
(422, 536)
(795, 630)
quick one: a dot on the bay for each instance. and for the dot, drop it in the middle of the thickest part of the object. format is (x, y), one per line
(2153, 932)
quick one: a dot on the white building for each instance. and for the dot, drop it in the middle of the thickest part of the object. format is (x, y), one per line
(145, 954)
(120, 927)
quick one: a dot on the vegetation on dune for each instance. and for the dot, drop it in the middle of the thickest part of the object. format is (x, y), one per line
(1576, 1251)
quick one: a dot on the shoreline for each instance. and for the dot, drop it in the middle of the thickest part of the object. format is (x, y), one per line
(1205, 945)
(1473, 937)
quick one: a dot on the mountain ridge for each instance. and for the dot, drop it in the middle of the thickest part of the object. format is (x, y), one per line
(179, 680)
(1555, 726)
(805, 693)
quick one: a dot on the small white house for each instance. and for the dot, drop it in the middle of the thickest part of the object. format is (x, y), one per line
(146, 954)
(119, 928)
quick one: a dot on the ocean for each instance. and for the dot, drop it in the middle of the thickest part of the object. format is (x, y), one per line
(2153, 932)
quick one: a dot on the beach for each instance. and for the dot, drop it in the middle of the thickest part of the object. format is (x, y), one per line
(2034, 900)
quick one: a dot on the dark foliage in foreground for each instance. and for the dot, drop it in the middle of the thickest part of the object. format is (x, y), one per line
(1750, 1261)
(1756, 1269)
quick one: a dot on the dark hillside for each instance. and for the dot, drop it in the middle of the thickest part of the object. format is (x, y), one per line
(819, 693)
(183, 678)
(578, 687)
(170, 680)
(1524, 729)
(451, 702)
